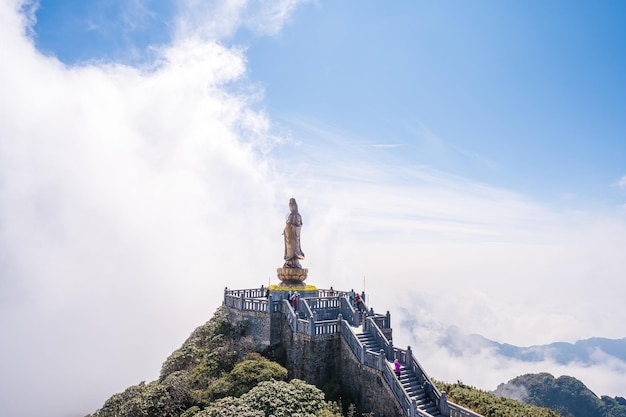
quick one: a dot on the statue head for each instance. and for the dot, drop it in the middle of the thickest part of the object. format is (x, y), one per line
(293, 206)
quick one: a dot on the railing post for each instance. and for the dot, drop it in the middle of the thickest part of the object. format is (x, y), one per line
(409, 355)
(412, 409)
(312, 325)
(443, 404)
(381, 360)
(241, 301)
(428, 390)
(388, 320)
(270, 304)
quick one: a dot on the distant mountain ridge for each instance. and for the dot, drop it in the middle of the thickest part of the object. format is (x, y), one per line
(566, 395)
(584, 352)
(564, 353)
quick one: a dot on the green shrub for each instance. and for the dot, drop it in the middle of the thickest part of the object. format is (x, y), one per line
(230, 407)
(191, 411)
(249, 373)
(488, 404)
(283, 399)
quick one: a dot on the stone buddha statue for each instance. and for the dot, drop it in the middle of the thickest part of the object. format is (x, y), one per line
(291, 233)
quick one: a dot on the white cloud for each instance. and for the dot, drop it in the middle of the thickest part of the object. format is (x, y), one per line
(221, 19)
(622, 182)
(475, 362)
(128, 201)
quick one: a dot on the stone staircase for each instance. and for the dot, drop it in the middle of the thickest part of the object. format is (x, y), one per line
(416, 392)
(368, 341)
(408, 379)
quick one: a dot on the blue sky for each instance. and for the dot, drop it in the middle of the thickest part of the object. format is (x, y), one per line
(528, 96)
(462, 161)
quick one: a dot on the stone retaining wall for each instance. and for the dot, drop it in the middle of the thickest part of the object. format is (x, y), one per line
(257, 325)
(320, 360)
(310, 359)
(366, 385)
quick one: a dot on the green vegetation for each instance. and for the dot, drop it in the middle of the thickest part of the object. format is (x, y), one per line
(488, 404)
(272, 398)
(245, 376)
(565, 394)
(216, 373)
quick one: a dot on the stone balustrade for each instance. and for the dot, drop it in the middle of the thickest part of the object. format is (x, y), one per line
(331, 313)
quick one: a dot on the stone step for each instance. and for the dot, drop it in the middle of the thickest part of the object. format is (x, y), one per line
(368, 341)
(419, 395)
(409, 378)
(432, 410)
(414, 386)
(412, 383)
(414, 389)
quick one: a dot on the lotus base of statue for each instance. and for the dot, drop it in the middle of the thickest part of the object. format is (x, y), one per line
(292, 276)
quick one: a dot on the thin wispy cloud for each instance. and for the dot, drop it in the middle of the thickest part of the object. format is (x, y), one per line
(438, 148)
(387, 145)
(221, 19)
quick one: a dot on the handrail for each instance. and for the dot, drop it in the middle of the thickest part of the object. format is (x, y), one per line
(383, 321)
(349, 313)
(247, 293)
(353, 342)
(289, 314)
(305, 309)
(386, 345)
(324, 303)
(456, 410)
(325, 327)
(328, 293)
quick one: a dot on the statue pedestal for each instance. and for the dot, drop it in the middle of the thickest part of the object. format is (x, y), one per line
(292, 276)
(292, 279)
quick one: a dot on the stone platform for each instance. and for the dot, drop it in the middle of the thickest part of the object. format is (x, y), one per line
(281, 291)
